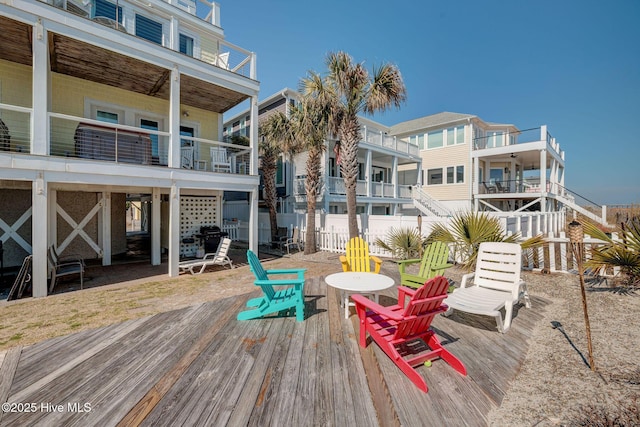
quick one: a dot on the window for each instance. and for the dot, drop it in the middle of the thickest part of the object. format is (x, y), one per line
(434, 139)
(455, 174)
(495, 175)
(455, 135)
(186, 45)
(108, 10)
(421, 142)
(107, 116)
(148, 29)
(434, 176)
(151, 125)
(460, 135)
(459, 174)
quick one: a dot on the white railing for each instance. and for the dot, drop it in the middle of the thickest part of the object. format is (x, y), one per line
(212, 48)
(377, 137)
(15, 128)
(72, 136)
(428, 204)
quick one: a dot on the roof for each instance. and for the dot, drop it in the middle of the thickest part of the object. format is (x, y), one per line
(429, 121)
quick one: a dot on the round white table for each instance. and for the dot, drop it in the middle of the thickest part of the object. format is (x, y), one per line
(356, 282)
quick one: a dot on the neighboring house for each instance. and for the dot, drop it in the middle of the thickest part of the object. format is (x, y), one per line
(470, 164)
(434, 165)
(388, 167)
(104, 103)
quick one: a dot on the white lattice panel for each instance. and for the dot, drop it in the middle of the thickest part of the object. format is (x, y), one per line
(194, 213)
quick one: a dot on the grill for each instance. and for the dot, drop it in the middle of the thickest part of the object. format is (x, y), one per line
(210, 237)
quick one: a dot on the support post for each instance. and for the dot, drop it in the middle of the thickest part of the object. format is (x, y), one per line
(39, 242)
(174, 230)
(155, 227)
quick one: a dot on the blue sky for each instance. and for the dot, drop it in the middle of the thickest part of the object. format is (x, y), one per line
(572, 65)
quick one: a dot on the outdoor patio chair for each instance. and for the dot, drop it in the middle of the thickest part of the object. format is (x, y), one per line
(219, 160)
(357, 257)
(496, 284)
(403, 330)
(489, 189)
(22, 279)
(289, 295)
(433, 263)
(294, 240)
(66, 266)
(501, 189)
(221, 257)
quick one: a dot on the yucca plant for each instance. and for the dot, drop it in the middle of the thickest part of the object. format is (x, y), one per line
(623, 253)
(403, 243)
(468, 229)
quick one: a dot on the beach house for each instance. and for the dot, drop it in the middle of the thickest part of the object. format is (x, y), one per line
(388, 167)
(434, 165)
(106, 103)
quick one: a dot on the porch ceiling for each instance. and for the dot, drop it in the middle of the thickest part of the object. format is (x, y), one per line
(16, 41)
(85, 61)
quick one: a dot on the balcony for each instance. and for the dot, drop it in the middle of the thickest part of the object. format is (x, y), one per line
(517, 141)
(196, 22)
(379, 138)
(335, 186)
(82, 138)
(86, 139)
(528, 187)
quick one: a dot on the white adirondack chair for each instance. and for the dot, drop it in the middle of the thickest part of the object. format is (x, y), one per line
(496, 284)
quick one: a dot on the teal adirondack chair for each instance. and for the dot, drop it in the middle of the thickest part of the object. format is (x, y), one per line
(433, 263)
(272, 300)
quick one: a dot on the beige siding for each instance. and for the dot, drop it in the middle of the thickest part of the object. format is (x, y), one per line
(444, 157)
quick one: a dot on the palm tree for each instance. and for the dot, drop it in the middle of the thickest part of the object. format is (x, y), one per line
(311, 121)
(403, 243)
(623, 253)
(348, 90)
(275, 138)
(468, 229)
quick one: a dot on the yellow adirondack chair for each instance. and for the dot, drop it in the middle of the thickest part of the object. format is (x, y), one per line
(433, 263)
(357, 257)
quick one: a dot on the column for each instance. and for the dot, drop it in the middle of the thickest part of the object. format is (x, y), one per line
(367, 174)
(39, 244)
(174, 119)
(40, 87)
(155, 226)
(174, 230)
(543, 180)
(253, 195)
(394, 176)
(105, 228)
(253, 220)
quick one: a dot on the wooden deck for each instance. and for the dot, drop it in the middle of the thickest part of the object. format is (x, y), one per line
(199, 366)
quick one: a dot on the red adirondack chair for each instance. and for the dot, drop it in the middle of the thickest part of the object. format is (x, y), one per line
(397, 328)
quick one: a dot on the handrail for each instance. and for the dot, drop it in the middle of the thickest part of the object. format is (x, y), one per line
(421, 198)
(16, 108)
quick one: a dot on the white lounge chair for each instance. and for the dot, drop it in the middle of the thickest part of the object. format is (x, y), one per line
(219, 258)
(496, 284)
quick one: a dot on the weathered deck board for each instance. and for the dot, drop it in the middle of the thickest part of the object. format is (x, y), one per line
(200, 366)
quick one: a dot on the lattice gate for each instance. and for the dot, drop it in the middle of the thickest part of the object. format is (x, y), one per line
(194, 213)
